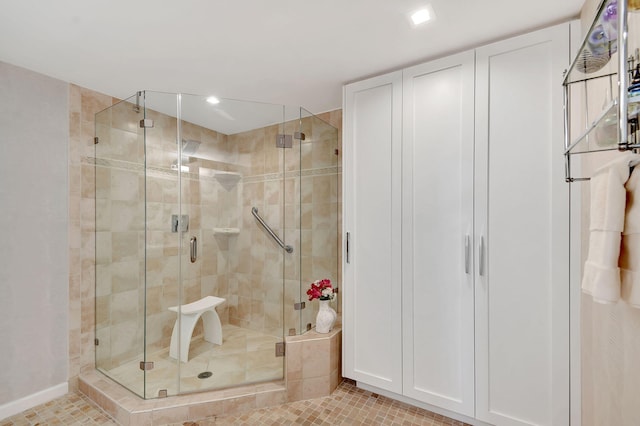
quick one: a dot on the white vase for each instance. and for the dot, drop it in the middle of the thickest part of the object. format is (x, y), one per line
(326, 317)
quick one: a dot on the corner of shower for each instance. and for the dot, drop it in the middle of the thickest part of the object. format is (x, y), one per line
(193, 291)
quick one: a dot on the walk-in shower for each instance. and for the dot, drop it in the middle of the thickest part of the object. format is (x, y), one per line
(176, 182)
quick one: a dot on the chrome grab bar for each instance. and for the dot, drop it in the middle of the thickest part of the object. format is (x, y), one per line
(287, 248)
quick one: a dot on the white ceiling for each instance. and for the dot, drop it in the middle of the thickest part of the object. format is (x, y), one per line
(293, 52)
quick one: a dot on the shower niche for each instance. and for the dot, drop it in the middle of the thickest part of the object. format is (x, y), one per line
(176, 179)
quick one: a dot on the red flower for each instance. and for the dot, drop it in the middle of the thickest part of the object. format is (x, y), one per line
(316, 290)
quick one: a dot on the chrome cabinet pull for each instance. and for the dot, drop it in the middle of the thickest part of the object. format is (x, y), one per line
(347, 246)
(193, 248)
(481, 260)
(467, 249)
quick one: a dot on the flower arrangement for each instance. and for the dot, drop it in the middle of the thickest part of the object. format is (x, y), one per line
(321, 289)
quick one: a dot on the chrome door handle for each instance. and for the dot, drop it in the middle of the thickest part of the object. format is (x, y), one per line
(481, 255)
(193, 248)
(467, 249)
(347, 246)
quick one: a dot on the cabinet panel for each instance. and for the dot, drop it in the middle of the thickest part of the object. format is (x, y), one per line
(437, 232)
(521, 221)
(372, 188)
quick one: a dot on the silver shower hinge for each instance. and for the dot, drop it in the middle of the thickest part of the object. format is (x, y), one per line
(299, 306)
(179, 224)
(146, 123)
(146, 366)
(136, 107)
(96, 140)
(96, 342)
(299, 135)
(284, 141)
(280, 349)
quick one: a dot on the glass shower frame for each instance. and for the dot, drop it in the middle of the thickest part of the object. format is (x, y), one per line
(144, 177)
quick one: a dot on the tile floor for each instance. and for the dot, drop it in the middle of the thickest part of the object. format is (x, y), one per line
(245, 356)
(71, 409)
(348, 405)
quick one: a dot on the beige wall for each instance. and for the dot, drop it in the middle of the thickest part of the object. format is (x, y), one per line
(610, 334)
(245, 269)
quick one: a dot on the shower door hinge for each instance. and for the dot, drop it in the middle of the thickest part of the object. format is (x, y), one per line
(96, 342)
(96, 140)
(280, 349)
(146, 123)
(299, 306)
(299, 135)
(284, 141)
(146, 366)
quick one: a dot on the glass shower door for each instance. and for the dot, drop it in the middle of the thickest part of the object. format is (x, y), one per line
(229, 166)
(162, 273)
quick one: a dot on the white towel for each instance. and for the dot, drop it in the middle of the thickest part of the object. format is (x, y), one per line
(630, 249)
(601, 277)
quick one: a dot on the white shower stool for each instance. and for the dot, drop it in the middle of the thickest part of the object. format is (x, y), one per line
(189, 314)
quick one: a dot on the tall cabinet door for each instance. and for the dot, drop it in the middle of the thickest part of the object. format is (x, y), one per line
(522, 293)
(437, 231)
(372, 333)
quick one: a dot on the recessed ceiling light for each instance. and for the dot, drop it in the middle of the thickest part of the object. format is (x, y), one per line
(213, 100)
(423, 15)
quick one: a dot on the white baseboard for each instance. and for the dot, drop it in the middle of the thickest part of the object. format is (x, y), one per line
(14, 407)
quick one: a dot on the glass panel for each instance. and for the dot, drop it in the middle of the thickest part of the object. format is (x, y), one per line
(162, 267)
(320, 209)
(233, 166)
(597, 128)
(292, 196)
(119, 239)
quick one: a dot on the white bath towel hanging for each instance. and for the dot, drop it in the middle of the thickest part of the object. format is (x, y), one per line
(601, 277)
(630, 247)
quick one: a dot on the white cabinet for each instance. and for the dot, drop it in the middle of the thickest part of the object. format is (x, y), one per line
(437, 233)
(522, 221)
(456, 278)
(373, 188)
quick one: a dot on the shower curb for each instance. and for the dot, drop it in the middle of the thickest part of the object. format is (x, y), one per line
(129, 409)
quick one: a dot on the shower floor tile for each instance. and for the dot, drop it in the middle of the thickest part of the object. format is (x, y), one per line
(245, 356)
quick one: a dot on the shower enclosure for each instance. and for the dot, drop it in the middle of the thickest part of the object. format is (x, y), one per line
(181, 182)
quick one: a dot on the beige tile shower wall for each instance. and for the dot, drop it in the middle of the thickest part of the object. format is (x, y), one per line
(83, 104)
(310, 193)
(610, 334)
(320, 207)
(255, 280)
